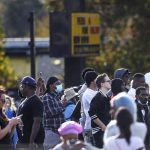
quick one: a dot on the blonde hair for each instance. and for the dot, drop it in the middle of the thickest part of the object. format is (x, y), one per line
(2, 89)
(12, 103)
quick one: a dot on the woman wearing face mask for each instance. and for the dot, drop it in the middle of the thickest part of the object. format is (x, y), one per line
(6, 126)
(53, 112)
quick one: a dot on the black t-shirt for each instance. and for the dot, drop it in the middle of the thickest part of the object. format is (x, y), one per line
(76, 114)
(6, 141)
(30, 108)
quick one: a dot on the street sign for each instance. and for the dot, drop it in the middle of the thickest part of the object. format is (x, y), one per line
(85, 34)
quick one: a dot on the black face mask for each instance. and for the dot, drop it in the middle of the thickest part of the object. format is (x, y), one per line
(20, 94)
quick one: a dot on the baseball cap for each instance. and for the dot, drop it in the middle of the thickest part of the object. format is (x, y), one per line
(28, 81)
(119, 73)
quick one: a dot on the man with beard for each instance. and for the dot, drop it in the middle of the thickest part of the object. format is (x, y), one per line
(31, 135)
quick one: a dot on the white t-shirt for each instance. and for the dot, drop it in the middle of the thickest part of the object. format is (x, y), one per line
(80, 92)
(86, 100)
(138, 129)
(121, 143)
(132, 93)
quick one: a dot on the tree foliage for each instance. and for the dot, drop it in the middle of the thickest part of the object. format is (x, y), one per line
(125, 29)
(125, 35)
(7, 73)
(17, 14)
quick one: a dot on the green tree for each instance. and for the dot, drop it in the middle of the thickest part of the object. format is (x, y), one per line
(125, 35)
(16, 16)
(7, 73)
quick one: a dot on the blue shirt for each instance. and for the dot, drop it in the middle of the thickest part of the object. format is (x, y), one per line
(69, 110)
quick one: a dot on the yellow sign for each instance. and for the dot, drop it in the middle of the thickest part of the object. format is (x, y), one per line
(85, 37)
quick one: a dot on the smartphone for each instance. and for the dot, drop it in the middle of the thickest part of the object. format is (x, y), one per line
(40, 75)
(20, 116)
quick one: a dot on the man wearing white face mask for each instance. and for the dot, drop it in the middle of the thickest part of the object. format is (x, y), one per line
(53, 112)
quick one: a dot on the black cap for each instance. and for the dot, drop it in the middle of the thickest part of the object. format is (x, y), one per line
(119, 73)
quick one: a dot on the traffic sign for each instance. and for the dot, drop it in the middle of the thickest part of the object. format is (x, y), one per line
(85, 34)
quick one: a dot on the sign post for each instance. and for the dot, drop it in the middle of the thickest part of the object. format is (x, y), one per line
(32, 45)
(85, 35)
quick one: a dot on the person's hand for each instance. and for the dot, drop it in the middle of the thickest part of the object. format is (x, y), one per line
(63, 100)
(14, 121)
(103, 128)
(40, 82)
(40, 86)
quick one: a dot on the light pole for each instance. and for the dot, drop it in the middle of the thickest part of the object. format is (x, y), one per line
(32, 45)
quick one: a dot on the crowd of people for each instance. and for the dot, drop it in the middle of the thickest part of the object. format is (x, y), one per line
(101, 113)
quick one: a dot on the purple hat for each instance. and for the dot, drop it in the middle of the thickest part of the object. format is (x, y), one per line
(70, 127)
(28, 81)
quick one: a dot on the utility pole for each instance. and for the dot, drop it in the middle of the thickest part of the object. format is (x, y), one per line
(32, 45)
(74, 65)
(61, 41)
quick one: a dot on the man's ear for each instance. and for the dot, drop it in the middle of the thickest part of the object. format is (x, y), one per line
(101, 84)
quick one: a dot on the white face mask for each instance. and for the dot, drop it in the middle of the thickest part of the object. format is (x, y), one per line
(59, 88)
